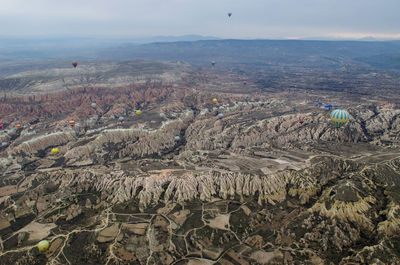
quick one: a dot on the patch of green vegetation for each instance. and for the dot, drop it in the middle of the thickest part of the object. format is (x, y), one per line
(383, 256)
(193, 221)
(233, 206)
(80, 249)
(179, 243)
(396, 245)
(129, 207)
(122, 218)
(239, 221)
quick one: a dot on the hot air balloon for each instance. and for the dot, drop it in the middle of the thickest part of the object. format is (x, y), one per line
(215, 100)
(121, 119)
(220, 115)
(43, 245)
(339, 117)
(71, 123)
(177, 138)
(244, 82)
(93, 105)
(212, 63)
(229, 14)
(138, 112)
(1, 125)
(54, 151)
(18, 127)
(328, 107)
(74, 64)
(4, 144)
(318, 102)
(301, 120)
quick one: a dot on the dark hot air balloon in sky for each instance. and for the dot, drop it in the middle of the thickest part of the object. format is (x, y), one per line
(74, 64)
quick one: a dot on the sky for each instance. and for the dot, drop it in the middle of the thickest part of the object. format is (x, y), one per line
(266, 19)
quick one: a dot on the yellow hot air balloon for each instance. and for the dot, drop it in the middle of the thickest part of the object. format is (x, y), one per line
(138, 112)
(54, 151)
(340, 117)
(215, 100)
(43, 245)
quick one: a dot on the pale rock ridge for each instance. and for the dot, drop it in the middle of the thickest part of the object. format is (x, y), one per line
(391, 226)
(118, 143)
(45, 141)
(117, 188)
(347, 211)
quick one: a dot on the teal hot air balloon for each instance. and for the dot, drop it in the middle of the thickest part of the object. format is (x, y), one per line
(340, 117)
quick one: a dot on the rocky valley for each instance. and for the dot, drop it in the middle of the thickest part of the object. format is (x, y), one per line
(179, 184)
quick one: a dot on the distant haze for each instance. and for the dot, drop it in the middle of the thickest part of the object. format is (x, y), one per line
(277, 19)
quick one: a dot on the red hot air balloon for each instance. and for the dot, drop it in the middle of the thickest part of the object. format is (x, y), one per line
(71, 123)
(301, 120)
(1, 125)
(244, 82)
(18, 127)
(74, 64)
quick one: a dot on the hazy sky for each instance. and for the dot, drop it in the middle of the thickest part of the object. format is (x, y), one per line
(250, 19)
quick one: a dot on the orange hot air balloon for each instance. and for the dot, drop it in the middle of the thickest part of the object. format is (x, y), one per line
(18, 127)
(71, 123)
(74, 64)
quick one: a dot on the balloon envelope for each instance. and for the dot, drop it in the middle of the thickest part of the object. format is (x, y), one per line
(4, 144)
(54, 151)
(121, 119)
(74, 64)
(138, 112)
(94, 105)
(215, 100)
(340, 117)
(229, 14)
(177, 138)
(220, 115)
(71, 123)
(1, 125)
(43, 245)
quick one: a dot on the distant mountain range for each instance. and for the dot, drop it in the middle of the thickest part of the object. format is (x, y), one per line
(306, 53)
(200, 51)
